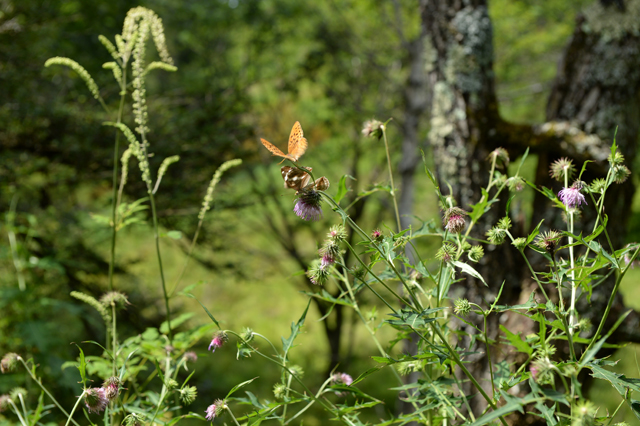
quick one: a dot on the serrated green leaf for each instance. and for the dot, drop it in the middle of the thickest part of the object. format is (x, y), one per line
(517, 341)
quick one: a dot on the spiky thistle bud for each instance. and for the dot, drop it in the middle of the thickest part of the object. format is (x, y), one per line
(515, 183)
(247, 335)
(615, 158)
(475, 253)
(542, 371)
(620, 173)
(584, 414)
(462, 307)
(279, 390)
(9, 362)
(133, 420)
(376, 235)
(337, 233)
(598, 186)
(188, 394)
(446, 253)
(16, 393)
(548, 241)
(519, 243)
(297, 371)
(317, 274)
(562, 167)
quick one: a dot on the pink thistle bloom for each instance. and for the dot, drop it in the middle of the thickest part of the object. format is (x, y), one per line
(111, 388)
(572, 197)
(95, 399)
(376, 234)
(327, 260)
(218, 340)
(455, 224)
(534, 371)
(342, 379)
(211, 412)
(308, 206)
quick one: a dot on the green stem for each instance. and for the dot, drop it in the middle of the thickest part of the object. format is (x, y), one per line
(15, 410)
(35, 379)
(389, 262)
(74, 408)
(606, 312)
(393, 188)
(114, 202)
(486, 341)
(466, 372)
(232, 416)
(325, 403)
(115, 337)
(164, 285)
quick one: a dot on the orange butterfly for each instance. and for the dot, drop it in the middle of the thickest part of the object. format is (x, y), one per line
(297, 144)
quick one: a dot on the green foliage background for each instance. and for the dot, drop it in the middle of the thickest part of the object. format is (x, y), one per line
(246, 69)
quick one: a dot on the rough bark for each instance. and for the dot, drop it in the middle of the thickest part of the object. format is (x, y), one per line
(596, 89)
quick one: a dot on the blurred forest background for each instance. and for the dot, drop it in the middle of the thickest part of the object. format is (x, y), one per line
(246, 69)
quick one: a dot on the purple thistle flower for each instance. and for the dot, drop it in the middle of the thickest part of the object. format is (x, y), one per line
(211, 412)
(572, 197)
(308, 206)
(218, 340)
(95, 399)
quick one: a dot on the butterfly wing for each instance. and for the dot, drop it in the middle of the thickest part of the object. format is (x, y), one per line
(274, 149)
(297, 142)
(295, 178)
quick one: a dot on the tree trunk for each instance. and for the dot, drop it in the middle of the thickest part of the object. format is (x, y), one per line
(596, 89)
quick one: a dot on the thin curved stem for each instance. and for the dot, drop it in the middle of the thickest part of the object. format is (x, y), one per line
(393, 188)
(35, 379)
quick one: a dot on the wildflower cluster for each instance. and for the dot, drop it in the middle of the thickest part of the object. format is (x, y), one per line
(329, 253)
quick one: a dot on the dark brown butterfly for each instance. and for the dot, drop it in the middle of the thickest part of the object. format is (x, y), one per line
(297, 144)
(299, 180)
